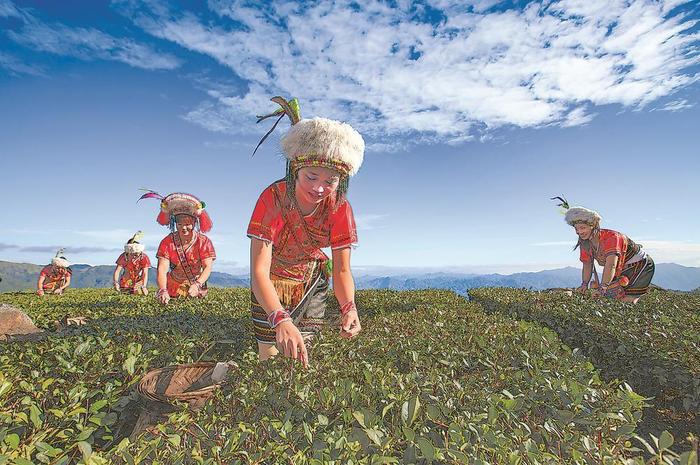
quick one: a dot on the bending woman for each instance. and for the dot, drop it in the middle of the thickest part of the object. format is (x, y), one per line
(186, 255)
(294, 218)
(627, 268)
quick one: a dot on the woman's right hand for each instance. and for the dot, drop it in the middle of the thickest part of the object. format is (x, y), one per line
(40, 292)
(291, 342)
(163, 297)
(582, 288)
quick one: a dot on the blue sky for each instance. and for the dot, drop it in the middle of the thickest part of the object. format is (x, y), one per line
(474, 114)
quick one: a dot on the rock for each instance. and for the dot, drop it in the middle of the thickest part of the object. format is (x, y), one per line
(14, 322)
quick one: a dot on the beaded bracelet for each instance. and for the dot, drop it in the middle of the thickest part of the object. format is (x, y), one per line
(278, 316)
(347, 307)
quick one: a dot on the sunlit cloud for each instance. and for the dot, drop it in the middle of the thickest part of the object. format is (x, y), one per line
(393, 70)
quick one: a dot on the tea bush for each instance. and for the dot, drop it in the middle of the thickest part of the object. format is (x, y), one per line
(432, 378)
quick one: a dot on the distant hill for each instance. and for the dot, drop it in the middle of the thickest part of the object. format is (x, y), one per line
(19, 276)
(668, 276)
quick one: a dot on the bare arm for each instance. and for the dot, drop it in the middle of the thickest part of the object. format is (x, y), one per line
(609, 270)
(145, 276)
(287, 335)
(586, 273)
(115, 278)
(343, 283)
(260, 260)
(40, 283)
(162, 280)
(65, 285)
(344, 288)
(163, 267)
(206, 271)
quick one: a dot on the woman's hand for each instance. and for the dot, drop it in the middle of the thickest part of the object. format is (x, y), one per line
(40, 292)
(194, 289)
(582, 288)
(116, 286)
(58, 291)
(291, 343)
(163, 296)
(350, 324)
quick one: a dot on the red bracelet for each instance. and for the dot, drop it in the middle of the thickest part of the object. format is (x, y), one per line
(278, 316)
(348, 307)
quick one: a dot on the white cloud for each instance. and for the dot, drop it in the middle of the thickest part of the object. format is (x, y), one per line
(16, 66)
(367, 221)
(677, 105)
(389, 73)
(554, 244)
(681, 252)
(83, 43)
(8, 10)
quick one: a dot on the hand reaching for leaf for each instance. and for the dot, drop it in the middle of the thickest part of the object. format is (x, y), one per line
(350, 324)
(291, 343)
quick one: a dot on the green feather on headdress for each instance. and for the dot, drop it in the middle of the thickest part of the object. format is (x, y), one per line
(562, 203)
(287, 107)
(135, 238)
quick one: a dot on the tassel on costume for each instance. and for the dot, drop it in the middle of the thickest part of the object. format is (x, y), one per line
(289, 292)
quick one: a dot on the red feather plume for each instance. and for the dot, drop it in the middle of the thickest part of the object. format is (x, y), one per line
(205, 223)
(163, 218)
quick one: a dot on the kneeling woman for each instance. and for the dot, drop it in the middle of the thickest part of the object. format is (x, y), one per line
(293, 219)
(135, 264)
(186, 255)
(627, 269)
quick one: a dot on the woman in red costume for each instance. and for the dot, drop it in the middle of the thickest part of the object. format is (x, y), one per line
(186, 255)
(627, 268)
(135, 264)
(295, 218)
(54, 278)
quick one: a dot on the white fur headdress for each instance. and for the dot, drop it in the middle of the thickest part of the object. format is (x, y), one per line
(582, 215)
(573, 215)
(317, 141)
(60, 259)
(133, 245)
(325, 142)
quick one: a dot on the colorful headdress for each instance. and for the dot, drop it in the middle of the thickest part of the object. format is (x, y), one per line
(573, 215)
(317, 142)
(133, 245)
(180, 203)
(60, 259)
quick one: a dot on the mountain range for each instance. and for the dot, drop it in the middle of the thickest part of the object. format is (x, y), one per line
(21, 276)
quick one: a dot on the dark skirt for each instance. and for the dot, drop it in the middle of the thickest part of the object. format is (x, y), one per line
(305, 302)
(640, 275)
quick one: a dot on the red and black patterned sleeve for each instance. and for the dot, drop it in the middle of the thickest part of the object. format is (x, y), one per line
(121, 261)
(206, 249)
(612, 243)
(266, 221)
(166, 250)
(343, 229)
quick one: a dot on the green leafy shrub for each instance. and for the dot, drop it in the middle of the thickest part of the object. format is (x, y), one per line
(431, 379)
(653, 345)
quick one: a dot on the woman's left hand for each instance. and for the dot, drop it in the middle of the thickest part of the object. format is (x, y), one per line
(350, 324)
(194, 289)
